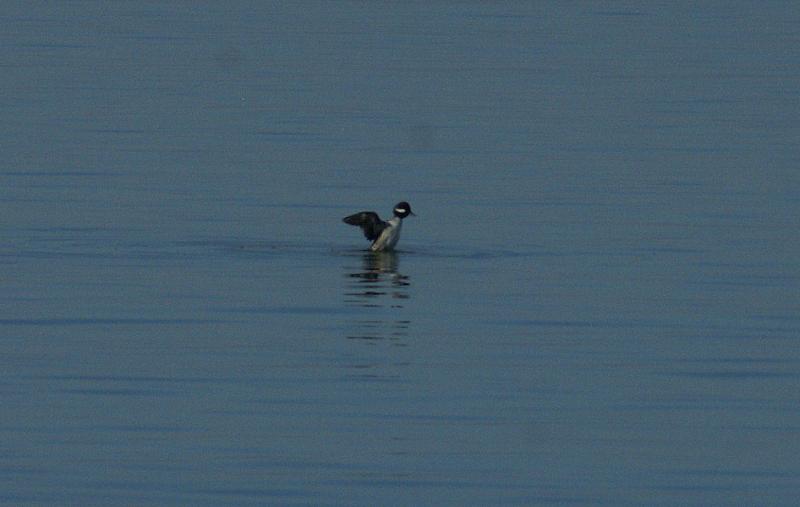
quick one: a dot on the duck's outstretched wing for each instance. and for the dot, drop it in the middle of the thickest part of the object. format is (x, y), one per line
(370, 223)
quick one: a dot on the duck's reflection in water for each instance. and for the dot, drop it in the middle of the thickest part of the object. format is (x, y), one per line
(378, 286)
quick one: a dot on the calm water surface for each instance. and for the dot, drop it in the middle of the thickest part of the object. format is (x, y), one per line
(597, 303)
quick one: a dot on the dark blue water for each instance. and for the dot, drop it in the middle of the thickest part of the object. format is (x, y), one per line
(597, 303)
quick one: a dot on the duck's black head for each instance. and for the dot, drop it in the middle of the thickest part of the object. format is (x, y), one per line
(402, 209)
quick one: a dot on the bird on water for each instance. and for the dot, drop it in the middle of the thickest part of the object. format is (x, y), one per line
(384, 235)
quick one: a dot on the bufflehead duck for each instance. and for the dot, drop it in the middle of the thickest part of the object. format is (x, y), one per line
(384, 235)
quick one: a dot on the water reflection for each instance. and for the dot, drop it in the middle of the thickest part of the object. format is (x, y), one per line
(380, 288)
